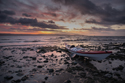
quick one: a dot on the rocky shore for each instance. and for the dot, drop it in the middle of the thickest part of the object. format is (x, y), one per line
(52, 64)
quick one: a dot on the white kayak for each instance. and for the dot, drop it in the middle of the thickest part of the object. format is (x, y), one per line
(96, 55)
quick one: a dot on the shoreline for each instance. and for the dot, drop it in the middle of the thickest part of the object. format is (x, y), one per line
(49, 64)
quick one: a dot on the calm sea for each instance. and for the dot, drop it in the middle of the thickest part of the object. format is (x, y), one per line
(59, 40)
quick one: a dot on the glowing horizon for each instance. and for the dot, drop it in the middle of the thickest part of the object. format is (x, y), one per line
(64, 17)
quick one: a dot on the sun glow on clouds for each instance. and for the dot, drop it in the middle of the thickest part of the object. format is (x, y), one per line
(71, 17)
(69, 25)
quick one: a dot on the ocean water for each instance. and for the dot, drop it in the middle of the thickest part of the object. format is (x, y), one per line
(59, 40)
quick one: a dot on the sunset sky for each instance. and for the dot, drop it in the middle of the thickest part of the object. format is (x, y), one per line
(64, 17)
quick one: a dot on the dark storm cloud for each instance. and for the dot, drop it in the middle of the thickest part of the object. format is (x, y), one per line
(29, 22)
(106, 13)
(51, 8)
(25, 14)
(7, 12)
(30, 30)
(50, 21)
(96, 29)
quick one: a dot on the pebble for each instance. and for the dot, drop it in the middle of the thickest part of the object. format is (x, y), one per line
(8, 77)
(67, 81)
(24, 78)
(46, 78)
(51, 70)
(20, 74)
(108, 75)
(40, 66)
(45, 61)
(16, 81)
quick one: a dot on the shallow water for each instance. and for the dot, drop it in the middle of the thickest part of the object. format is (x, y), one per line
(59, 40)
(20, 57)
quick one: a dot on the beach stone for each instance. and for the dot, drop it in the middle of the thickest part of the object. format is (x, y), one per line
(59, 70)
(39, 61)
(95, 74)
(43, 82)
(34, 69)
(46, 78)
(33, 58)
(41, 51)
(8, 77)
(25, 56)
(43, 56)
(24, 78)
(46, 61)
(67, 81)
(16, 81)
(108, 75)
(59, 50)
(40, 66)
(19, 66)
(82, 74)
(74, 63)
(52, 55)
(66, 62)
(120, 67)
(67, 58)
(18, 71)
(1, 63)
(51, 70)
(20, 74)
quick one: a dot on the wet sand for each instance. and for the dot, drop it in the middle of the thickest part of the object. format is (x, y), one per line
(37, 64)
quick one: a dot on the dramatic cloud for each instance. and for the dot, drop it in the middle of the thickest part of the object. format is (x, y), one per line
(28, 22)
(106, 13)
(63, 15)
(25, 14)
(96, 29)
(7, 12)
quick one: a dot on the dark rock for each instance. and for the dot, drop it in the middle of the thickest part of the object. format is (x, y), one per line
(24, 78)
(1, 63)
(123, 44)
(72, 46)
(58, 51)
(74, 63)
(6, 57)
(82, 74)
(43, 56)
(51, 70)
(52, 55)
(20, 74)
(108, 75)
(120, 67)
(16, 81)
(40, 66)
(41, 51)
(8, 77)
(100, 61)
(33, 58)
(39, 61)
(67, 81)
(19, 66)
(25, 56)
(66, 62)
(59, 70)
(18, 71)
(46, 61)
(34, 69)
(110, 62)
(67, 58)
(95, 74)
(46, 78)
(43, 82)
